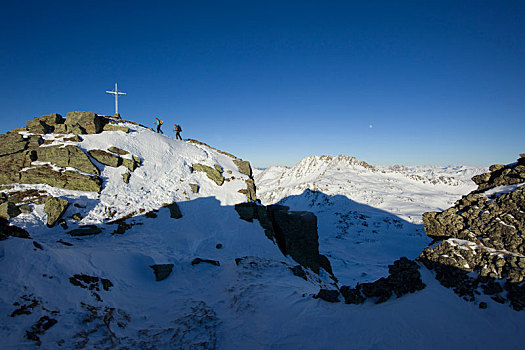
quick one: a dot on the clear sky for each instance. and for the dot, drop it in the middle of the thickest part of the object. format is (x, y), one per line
(389, 82)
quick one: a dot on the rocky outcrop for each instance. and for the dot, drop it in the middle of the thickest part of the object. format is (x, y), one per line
(88, 122)
(67, 179)
(55, 208)
(295, 233)
(249, 191)
(112, 127)
(403, 278)
(7, 230)
(214, 174)
(174, 210)
(9, 210)
(501, 175)
(118, 151)
(162, 271)
(106, 158)
(194, 188)
(244, 167)
(480, 240)
(67, 156)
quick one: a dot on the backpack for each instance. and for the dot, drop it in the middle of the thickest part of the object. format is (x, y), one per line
(179, 129)
(160, 121)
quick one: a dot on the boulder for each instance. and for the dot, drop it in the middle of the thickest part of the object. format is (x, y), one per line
(67, 156)
(69, 129)
(9, 210)
(243, 166)
(125, 177)
(194, 188)
(38, 127)
(89, 122)
(331, 296)
(118, 151)
(55, 208)
(162, 271)
(131, 164)
(106, 158)
(86, 230)
(213, 174)
(174, 211)
(197, 261)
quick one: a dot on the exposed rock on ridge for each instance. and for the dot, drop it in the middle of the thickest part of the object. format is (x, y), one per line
(483, 233)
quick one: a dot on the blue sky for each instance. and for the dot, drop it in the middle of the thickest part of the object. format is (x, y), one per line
(389, 82)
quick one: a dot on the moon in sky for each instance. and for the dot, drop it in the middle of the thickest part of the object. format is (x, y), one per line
(370, 126)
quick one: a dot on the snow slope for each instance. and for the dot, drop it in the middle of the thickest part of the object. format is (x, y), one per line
(251, 300)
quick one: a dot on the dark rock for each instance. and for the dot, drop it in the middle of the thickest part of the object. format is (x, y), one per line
(9, 210)
(162, 271)
(55, 208)
(64, 243)
(39, 328)
(352, 295)
(86, 230)
(7, 230)
(174, 211)
(299, 272)
(197, 261)
(151, 214)
(331, 296)
(294, 232)
(218, 246)
(37, 245)
(250, 191)
(483, 305)
(380, 289)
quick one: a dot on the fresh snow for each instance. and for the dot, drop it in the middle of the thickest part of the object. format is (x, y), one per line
(367, 218)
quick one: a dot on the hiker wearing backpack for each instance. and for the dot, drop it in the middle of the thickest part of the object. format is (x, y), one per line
(177, 129)
(158, 123)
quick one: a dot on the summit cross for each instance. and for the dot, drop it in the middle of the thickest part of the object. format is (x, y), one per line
(116, 93)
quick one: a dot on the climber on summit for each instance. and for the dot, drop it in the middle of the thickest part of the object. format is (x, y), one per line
(158, 123)
(177, 129)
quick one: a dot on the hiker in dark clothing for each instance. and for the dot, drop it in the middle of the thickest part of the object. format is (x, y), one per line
(177, 129)
(158, 123)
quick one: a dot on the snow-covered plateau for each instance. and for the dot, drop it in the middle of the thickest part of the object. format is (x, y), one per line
(151, 279)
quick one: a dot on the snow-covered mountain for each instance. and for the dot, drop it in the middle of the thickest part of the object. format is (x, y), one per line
(404, 191)
(171, 253)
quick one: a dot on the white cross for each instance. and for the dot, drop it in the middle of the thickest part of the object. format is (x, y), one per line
(116, 93)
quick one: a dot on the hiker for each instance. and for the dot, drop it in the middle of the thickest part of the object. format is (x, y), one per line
(177, 129)
(158, 123)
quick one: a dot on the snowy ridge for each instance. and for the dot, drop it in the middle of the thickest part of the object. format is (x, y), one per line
(404, 191)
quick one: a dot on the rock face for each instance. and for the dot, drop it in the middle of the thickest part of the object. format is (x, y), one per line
(294, 232)
(88, 122)
(214, 174)
(55, 208)
(174, 211)
(482, 235)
